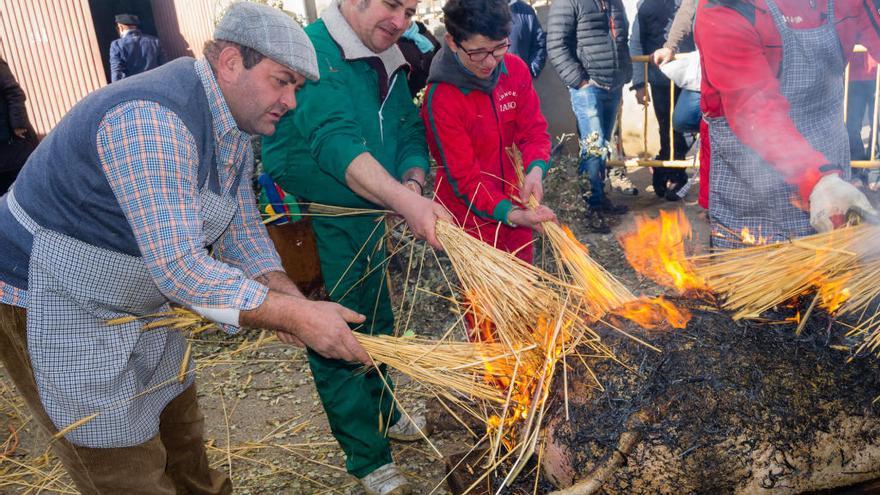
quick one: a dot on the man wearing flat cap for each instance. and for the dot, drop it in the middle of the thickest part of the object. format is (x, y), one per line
(358, 125)
(153, 206)
(134, 52)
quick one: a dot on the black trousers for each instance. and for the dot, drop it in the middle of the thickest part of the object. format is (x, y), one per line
(663, 175)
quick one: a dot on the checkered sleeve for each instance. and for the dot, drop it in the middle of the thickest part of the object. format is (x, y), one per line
(151, 162)
(246, 243)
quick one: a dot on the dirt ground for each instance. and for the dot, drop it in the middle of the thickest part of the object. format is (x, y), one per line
(265, 424)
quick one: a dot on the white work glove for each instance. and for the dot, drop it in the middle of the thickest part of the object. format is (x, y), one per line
(833, 196)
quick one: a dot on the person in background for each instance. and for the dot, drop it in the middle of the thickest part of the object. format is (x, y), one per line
(418, 46)
(587, 42)
(528, 40)
(17, 136)
(687, 116)
(860, 102)
(141, 197)
(357, 141)
(649, 32)
(474, 75)
(772, 93)
(134, 52)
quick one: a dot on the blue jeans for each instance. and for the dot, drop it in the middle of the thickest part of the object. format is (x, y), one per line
(860, 105)
(686, 116)
(596, 111)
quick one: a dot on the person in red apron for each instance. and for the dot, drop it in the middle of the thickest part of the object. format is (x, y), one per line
(773, 98)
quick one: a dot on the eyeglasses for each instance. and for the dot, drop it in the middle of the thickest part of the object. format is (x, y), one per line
(479, 55)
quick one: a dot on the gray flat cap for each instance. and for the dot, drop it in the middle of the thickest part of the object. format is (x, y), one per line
(272, 33)
(127, 19)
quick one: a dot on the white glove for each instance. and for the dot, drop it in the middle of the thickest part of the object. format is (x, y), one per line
(834, 196)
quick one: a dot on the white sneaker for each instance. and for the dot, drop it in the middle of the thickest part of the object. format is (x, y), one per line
(618, 179)
(683, 191)
(387, 480)
(409, 428)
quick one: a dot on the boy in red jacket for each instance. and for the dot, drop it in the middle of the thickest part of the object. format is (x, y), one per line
(480, 101)
(772, 94)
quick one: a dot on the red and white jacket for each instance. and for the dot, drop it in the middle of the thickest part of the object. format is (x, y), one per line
(468, 131)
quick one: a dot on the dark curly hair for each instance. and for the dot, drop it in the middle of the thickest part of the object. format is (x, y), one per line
(466, 18)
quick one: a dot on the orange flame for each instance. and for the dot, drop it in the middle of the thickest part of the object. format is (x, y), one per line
(574, 239)
(656, 250)
(654, 313)
(833, 294)
(746, 237)
(522, 385)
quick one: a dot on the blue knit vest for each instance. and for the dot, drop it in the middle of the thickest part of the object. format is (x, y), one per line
(63, 187)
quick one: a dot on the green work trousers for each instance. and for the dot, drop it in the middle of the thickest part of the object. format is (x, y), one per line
(359, 405)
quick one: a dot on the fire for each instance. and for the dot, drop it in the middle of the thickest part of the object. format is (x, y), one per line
(833, 294)
(601, 291)
(519, 376)
(656, 250)
(746, 237)
(574, 239)
(654, 313)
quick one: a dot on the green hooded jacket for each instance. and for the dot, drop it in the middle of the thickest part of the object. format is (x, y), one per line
(350, 110)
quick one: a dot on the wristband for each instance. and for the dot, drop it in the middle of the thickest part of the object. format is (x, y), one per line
(507, 221)
(421, 187)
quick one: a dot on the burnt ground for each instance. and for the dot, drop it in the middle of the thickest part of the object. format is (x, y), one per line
(265, 424)
(718, 395)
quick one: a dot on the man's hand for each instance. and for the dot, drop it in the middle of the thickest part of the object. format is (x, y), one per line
(532, 186)
(367, 178)
(831, 199)
(531, 218)
(289, 338)
(642, 95)
(322, 326)
(584, 84)
(662, 55)
(20, 132)
(421, 214)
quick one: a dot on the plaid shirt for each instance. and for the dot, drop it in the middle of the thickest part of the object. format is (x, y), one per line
(151, 162)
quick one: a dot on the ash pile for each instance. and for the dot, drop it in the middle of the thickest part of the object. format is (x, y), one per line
(726, 407)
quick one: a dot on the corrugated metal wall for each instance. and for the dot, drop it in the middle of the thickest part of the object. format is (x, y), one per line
(184, 25)
(53, 52)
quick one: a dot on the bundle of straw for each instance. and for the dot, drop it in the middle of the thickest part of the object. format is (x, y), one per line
(755, 279)
(523, 306)
(449, 366)
(600, 291)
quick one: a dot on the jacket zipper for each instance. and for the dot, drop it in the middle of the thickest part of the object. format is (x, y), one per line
(500, 139)
(382, 106)
(612, 31)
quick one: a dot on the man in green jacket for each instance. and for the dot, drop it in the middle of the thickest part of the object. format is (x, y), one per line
(358, 126)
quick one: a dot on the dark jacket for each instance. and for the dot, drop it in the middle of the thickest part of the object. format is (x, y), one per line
(528, 40)
(134, 53)
(650, 30)
(419, 63)
(13, 115)
(587, 40)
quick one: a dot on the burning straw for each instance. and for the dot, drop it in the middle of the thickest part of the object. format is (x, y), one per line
(600, 291)
(838, 266)
(517, 305)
